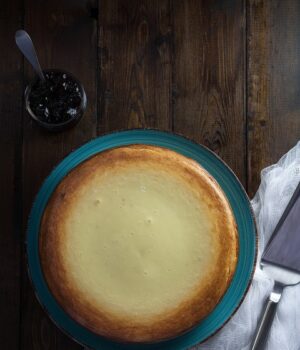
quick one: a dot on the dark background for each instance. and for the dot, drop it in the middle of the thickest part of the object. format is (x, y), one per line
(224, 73)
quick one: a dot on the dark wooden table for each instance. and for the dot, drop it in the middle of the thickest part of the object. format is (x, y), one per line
(224, 73)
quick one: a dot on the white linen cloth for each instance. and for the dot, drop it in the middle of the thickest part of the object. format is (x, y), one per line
(278, 182)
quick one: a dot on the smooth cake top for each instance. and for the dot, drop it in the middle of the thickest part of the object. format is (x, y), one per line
(138, 243)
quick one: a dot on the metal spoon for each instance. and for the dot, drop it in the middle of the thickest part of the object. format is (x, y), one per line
(26, 46)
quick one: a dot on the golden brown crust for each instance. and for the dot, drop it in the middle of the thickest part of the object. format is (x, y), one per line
(117, 327)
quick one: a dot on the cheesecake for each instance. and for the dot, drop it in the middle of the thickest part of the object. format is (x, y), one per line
(138, 244)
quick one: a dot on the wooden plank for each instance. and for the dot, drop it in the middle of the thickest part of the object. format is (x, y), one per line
(135, 59)
(11, 81)
(209, 77)
(273, 83)
(65, 35)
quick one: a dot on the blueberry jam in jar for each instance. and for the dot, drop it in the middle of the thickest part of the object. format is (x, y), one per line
(58, 101)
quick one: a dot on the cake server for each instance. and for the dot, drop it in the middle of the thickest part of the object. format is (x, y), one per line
(281, 261)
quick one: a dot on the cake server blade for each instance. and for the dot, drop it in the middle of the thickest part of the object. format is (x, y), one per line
(281, 261)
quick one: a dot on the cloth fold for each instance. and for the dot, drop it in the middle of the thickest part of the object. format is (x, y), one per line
(278, 183)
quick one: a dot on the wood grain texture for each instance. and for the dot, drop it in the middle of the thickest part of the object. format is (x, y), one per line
(273, 83)
(10, 154)
(222, 72)
(135, 64)
(209, 72)
(65, 36)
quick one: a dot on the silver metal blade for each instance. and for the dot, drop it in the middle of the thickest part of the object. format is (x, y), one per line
(283, 250)
(282, 275)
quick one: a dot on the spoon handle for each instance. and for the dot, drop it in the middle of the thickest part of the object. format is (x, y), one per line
(26, 46)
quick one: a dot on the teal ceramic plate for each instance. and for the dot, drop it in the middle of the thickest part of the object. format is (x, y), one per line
(239, 203)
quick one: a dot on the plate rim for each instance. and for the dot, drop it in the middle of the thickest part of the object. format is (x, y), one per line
(128, 130)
